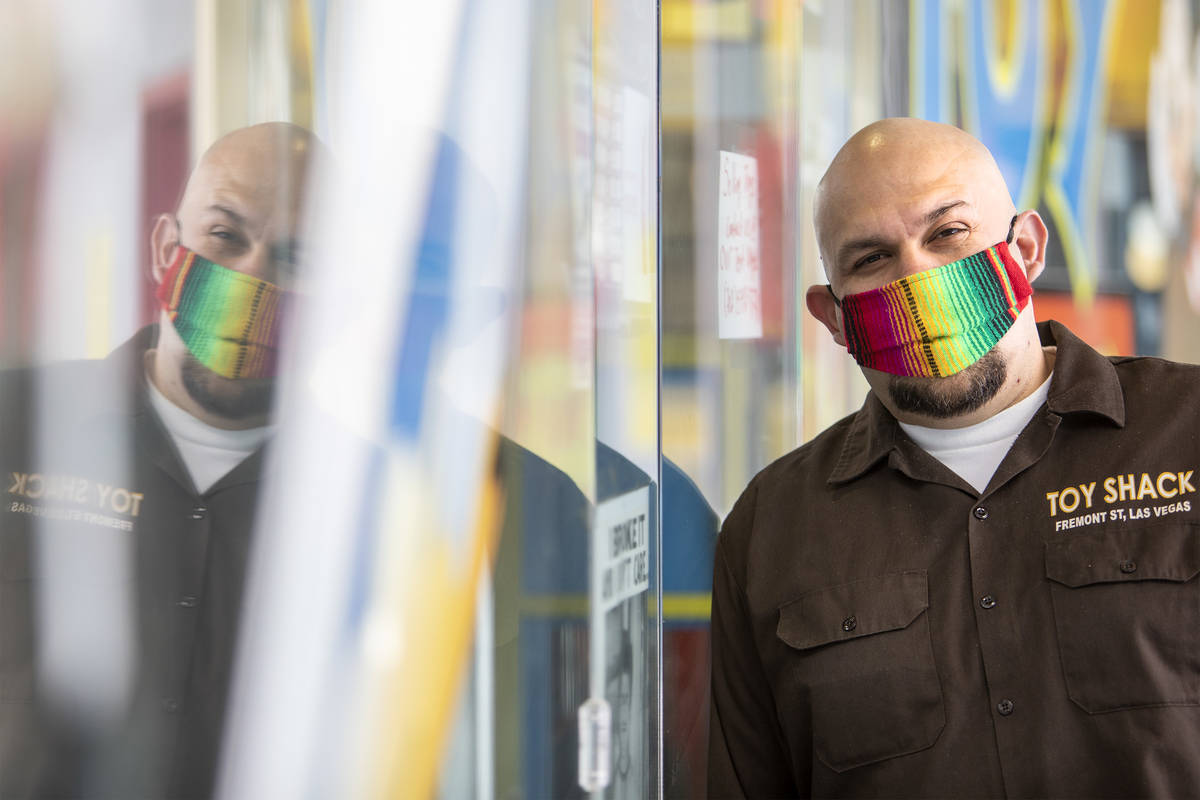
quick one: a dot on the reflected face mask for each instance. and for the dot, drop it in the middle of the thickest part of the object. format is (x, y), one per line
(229, 321)
(940, 321)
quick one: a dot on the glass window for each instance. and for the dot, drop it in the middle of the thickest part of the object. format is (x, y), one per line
(375, 376)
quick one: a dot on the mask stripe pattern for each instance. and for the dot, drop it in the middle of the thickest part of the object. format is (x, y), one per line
(229, 321)
(938, 322)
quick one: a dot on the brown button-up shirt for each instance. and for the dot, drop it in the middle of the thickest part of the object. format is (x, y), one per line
(107, 481)
(880, 628)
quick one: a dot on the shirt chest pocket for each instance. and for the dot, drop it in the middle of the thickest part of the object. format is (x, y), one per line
(860, 655)
(1127, 613)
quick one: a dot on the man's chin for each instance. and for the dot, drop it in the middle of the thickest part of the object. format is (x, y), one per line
(954, 396)
(232, 399)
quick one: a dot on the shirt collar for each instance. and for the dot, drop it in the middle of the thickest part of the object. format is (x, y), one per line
(126, 396)
(1084, 382)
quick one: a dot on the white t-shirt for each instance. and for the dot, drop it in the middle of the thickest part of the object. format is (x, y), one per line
(975, 451)
(208, 453)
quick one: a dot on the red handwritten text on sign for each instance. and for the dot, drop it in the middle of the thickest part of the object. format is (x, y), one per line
(739, 300)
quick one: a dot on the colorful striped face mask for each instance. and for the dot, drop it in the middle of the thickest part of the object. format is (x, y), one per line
(229, 321)
(940, 321)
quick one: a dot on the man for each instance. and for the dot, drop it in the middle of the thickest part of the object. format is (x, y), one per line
(132, 485)
(983, 583)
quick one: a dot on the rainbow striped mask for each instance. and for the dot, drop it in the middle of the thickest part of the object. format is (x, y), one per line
(940, 321)
(229, 321)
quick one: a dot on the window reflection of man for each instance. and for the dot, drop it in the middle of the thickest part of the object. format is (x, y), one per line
(239, 210)
(176, 418)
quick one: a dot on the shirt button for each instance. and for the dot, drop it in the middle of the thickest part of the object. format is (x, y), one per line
(1128, 566)
(1005, 707)
(987, 601)
(170, 705)
(980, 512)
(849, 624)
(198, 511)
(187, 601)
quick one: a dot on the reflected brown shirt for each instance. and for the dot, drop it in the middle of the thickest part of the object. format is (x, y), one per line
(95, 489)
(880, 628)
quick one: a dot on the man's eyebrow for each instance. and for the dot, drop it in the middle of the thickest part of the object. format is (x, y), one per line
(854, 245)
(229, 212)
(938, 213)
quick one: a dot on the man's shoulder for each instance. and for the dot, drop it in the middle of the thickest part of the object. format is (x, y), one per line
(1157, 366)
(814, 460)
(1087, 370)
(74, 381)
(800, 474)
(1158, 383)
(70, 388)
(25, 385)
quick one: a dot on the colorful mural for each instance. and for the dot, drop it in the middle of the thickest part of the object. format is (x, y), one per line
(1028, 78)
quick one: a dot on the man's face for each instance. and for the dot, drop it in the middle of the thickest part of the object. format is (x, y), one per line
(243, 212)
(877, 225)
(242, 209)
(901, 208)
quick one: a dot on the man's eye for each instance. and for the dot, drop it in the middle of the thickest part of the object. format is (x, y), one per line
(946, 233)
(226, 236)
(286, 256)
(868, 260)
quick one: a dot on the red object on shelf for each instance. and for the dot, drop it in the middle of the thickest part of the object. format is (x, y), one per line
(1107, 326)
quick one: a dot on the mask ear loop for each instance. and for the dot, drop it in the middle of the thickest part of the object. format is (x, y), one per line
(836, 302)
(178, 232)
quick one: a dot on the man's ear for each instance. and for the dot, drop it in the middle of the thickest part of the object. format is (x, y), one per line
(164, 236)
(819, 300)
(1030, 237)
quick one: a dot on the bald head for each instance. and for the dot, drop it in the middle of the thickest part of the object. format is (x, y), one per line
(894, 177)
(264, 168)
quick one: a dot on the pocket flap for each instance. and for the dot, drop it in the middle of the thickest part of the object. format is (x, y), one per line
(1158, 553)
(851, 610)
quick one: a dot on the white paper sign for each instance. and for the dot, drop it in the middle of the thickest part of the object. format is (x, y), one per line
(739, 285)
(620, 550)
(618, 633)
